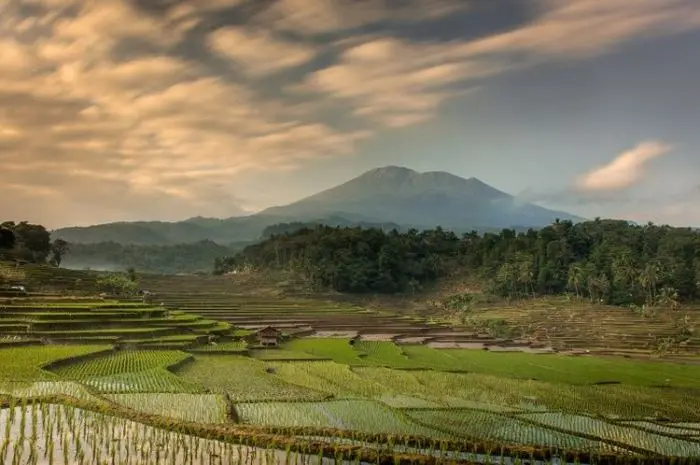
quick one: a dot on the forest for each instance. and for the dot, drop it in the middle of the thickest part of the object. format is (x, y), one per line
(31, 243)
(609, 261)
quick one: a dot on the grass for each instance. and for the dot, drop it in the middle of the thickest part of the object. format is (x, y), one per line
(25, 363)
(31, 389)
(576, 370)
(383, 353)
(331, 378)
(338, 350)
(231, 346)
(199, 408)
(633, 437)
(130, 371)
(355, 415)
(243, 378)
(281, 354)
(372, 387)
(127, 361)
(484, 425)
(146, 381)
(542, 367)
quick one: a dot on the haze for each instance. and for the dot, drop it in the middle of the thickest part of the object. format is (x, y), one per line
(117, 110)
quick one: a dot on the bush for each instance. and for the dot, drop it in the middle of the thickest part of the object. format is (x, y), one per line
(117, 284)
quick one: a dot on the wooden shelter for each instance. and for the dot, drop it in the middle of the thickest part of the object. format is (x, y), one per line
(268, 337)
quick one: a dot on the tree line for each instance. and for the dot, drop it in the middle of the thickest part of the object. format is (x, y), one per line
(30, 243)
(609, 261)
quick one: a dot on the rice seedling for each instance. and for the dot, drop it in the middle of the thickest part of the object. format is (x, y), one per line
(627, 436)
(357, 415)
(25, 363)
(244, 379)
(198, 408)
(128, 361)
(56, 434)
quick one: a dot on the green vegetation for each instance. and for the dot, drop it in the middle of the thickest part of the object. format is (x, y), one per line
(335, 397)
(352, 415)
(198, 408)
(243, 379)
(26, 363)
(466, 423)
(130, 371)
(334, 349)
(281, 354)
(117, 284)
(551, 368)
(24, 241)
(121, 362)
(604, 261)
(231, 346)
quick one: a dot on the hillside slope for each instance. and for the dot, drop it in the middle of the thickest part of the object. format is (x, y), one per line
(422, 200)
(389, 195)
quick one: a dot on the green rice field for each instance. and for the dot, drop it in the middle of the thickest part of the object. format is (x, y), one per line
(176, 384)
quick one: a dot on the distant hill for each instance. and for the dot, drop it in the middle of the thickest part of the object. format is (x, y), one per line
(167, 259)
(381, 197)
(421, 200)
(221, 231)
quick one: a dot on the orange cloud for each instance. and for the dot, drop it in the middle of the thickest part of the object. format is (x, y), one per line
(258, 52)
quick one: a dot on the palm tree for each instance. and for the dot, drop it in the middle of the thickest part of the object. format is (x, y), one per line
(668, 297)
(649, 278)
(575, 276)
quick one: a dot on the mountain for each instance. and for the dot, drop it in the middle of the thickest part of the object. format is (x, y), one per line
(421, 200)
(221, 231)
(382, 197)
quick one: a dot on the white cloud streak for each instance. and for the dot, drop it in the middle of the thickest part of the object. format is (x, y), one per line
(399, 82)
(625, 170)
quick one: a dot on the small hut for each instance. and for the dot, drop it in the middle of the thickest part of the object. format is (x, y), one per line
(268, 337)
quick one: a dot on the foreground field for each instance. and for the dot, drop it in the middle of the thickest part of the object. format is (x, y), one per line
(347, 384)
(373, 393)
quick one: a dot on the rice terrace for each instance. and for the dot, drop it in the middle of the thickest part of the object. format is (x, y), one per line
(183, 379)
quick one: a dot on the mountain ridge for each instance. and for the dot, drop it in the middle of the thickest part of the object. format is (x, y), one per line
(429, 199)
(383, 195)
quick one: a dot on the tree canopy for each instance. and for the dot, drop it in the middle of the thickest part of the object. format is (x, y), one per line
(32, 242)
(7, 238)
(609, 261)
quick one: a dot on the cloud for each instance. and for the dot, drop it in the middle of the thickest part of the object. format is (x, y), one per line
(398, 82)
(102, 116)
(311, 17)
(395, 82)
(583, 28)
(106, 109)
(625, 170)
(258, 52)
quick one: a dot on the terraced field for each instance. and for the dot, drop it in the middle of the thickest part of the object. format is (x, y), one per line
(80, 321)
(347, 384)
(566, 325)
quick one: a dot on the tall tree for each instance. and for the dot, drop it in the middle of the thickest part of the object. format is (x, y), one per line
(7, 239)
(59, 248)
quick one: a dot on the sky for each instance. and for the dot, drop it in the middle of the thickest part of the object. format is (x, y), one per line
(120, 110)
